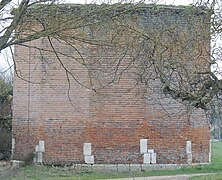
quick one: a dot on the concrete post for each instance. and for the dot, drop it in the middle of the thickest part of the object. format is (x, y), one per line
(153, 158)
(210, 147)
(146, 158)
(13, 148)
(39, 149)
(87, 152)
(87, 149)
(143, 146)
(42, 146)
(189, 152)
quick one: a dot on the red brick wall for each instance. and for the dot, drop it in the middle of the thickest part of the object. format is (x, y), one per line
(65, 114)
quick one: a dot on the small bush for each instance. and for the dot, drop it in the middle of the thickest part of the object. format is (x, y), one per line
(5, 137)
(5, 141)
(29, 159)
(5, 119)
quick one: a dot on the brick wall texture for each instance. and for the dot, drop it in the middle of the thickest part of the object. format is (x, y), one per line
(50, 105)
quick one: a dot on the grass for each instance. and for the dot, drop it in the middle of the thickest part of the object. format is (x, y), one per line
(33, 172)
(208, 177)
(216, 166)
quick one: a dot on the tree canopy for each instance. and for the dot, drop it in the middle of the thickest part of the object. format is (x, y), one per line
(107, 26)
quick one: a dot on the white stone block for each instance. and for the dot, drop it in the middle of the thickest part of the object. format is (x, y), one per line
(146, 158)
(42, 146)
(189, 158)
(150, 150)
(143, 146)
(13, 143)
(16, 163)
(153, 158)
(39, 157)
(37, 148)
(87, 149)
(35, 158)
(210, 146)
(89, 159)
(188, 147)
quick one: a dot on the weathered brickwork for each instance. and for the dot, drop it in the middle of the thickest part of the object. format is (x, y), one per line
(65, 114)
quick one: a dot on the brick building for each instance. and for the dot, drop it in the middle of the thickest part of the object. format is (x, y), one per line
(56, 115)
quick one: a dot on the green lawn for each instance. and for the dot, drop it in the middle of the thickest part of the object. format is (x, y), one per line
(216, 163)
(33, 172)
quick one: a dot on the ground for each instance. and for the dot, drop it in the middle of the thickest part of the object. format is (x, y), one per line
(34, 172)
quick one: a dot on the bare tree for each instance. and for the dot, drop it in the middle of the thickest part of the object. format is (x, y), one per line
(101, 46)
(107, 28)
